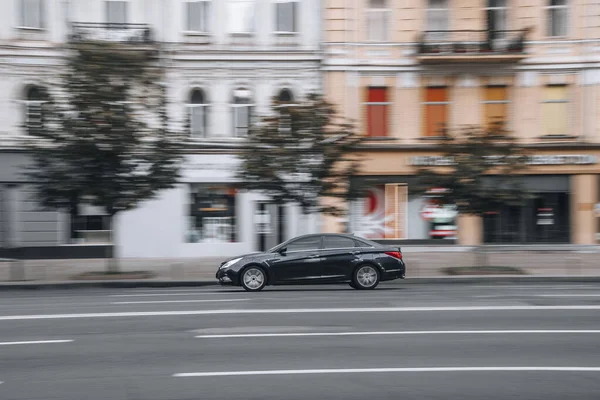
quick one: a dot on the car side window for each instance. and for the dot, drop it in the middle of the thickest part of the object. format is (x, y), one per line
(337, 242)
(360, 243)
(307, 243)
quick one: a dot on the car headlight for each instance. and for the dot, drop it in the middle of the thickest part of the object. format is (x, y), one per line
(230, 263)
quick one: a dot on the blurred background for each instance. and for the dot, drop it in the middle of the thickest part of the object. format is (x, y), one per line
(404, 71)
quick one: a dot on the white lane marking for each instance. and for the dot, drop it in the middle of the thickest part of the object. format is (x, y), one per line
(384, 370)
(293, 311)
(162, 294)
(567, 295)
(178, 301)
(524, 287)
(35, 342)
(383, 333)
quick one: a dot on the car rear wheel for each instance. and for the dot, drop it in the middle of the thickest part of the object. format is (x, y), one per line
(365, 277)
(253, 279)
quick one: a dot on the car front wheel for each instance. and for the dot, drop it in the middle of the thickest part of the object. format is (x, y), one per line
(365, 277)
(254, 279)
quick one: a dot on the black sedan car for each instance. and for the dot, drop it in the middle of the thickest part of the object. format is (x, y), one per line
(316, 258)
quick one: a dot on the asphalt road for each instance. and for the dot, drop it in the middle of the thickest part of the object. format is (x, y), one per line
(453, 341)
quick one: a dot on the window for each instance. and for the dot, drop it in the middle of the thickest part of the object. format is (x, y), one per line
(557, 18)
(34, 99)
(436, 111)
(378, 17)
(377, 111)
(116, 12)
(198, 108)
(241, 16)
(338, 242)
(496, 15)
(285, 96)
(556, 110)
(242, 112)
(307, 243)
(197, 16)
(438, 19)
(495, 107)
(212, 214)
(286, 13)
(32, 14)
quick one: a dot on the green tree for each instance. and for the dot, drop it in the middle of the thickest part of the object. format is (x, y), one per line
(301, 153)
(479, 169)
(105, 137)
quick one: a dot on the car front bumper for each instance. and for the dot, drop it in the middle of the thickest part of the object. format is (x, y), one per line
(226, 277)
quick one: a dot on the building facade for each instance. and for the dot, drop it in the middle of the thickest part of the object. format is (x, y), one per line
(225, 61)
(408, 71)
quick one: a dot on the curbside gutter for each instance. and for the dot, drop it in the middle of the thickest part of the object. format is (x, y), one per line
(466, 279)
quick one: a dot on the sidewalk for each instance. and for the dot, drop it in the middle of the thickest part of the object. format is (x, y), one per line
(423, 265)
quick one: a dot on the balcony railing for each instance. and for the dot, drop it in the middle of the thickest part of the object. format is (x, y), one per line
(111, 32)
(472, 44)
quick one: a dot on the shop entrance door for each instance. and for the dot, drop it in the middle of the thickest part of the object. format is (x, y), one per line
(270, 225)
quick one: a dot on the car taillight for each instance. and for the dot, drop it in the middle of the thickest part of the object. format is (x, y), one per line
(395, 254)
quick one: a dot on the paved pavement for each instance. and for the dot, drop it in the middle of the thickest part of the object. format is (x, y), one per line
(422, 262)
(461, 341)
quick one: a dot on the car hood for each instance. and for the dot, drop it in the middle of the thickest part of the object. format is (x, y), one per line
(253, 254)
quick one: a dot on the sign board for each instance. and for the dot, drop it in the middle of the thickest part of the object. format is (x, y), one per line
(560, 159)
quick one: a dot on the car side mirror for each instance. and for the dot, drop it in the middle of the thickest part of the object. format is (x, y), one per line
(282, 251)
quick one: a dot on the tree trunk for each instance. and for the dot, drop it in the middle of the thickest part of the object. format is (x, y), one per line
(112, 264)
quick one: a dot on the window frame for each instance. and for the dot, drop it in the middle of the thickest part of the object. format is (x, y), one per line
(22, 20)
(507, 103)
(29, 103)
(235, 106)
(549, 9)
(386, 15)
(236, 32)
(425, 103)
(208, 7)
(296, 7)
(107, 13)
(567, 100)
(387, 104)
(429, 12)
(506, 10)
(204, 106)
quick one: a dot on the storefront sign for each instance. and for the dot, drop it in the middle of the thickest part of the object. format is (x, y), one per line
(568, 159)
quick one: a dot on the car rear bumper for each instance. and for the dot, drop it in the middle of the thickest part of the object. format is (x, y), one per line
(394, 273)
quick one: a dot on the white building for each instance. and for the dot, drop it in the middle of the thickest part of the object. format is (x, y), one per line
(226, 59)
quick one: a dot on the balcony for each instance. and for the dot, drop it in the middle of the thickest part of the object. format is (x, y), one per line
(471, 46)
(132, 35)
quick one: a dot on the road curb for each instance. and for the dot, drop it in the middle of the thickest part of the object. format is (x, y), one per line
(203, 283)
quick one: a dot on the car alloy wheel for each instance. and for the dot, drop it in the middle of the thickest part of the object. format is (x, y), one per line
(254, 279)
(366, 277)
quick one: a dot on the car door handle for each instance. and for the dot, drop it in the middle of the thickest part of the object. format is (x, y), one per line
(355, 252)
(314, 256)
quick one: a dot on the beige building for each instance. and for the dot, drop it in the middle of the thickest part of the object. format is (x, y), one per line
(406, 70)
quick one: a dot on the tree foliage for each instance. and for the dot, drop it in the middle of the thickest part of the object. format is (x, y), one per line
(479, 169)
(104, 136)
(301, 153)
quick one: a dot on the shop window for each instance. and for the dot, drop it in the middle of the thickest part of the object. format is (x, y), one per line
(435, 111)
(495, 107)
(378, 17)
(556, 110)
(91, 229)
(212, 214)
(377, 111)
